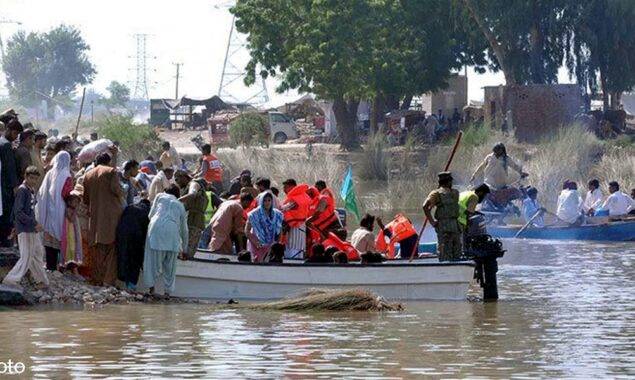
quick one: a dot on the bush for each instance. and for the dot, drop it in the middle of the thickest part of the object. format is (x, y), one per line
(249, 129)
(136, 141)
(475, 134)
(374, 163)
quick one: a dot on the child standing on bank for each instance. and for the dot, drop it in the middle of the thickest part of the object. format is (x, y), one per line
(29, 233)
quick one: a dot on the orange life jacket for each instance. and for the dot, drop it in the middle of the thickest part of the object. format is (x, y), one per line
(401, 229)
(252, 206)
(333, 241)
(214, 171)
(328, 216)
(298, 215)
(314, 194)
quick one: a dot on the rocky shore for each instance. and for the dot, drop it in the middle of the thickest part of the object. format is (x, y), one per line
(67, 288)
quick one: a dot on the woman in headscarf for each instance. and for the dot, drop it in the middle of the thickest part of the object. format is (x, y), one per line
(51, 208)
(263, 228)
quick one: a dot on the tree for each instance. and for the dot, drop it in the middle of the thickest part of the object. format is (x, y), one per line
(602, 53)
(526, 38)
(119, 95)
(47, 65)
(314, 46)
(248, 129)
(348, 50)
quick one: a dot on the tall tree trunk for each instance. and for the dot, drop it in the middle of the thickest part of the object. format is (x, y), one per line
(391, 103)
(537, 46)
(377, 112)
(605, 92)
(407, 100)
(616, 97)
(346, 119)
(373, 115)
(510, 78)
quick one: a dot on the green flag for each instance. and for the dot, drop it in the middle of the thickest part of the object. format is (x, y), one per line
(347, 193)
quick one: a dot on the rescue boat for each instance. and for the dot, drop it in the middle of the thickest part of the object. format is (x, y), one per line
(210, 276)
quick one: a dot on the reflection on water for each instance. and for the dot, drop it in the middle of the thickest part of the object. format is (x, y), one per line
(566, 310)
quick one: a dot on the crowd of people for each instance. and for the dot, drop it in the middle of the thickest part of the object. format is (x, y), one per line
(109, 223)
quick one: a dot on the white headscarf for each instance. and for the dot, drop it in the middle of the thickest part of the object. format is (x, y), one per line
(50, 204)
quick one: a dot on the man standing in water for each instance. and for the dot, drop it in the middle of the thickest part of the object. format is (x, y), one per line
(445, 220)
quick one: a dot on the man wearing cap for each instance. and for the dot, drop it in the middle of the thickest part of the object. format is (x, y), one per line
(23, 152)
(8, 178)
(195, 200)
(445, 220)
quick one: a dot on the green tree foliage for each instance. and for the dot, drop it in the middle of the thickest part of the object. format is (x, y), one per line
(46, 65)
(526, 38)
(119, 95)
(349, 50)
(249, 129)
(602, 53)
(136, 141)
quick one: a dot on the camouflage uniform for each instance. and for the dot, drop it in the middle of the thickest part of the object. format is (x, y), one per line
(448, 231)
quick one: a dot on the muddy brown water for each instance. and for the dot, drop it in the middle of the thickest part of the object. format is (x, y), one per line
(566, 310)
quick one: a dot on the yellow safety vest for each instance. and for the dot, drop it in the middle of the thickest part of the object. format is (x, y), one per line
(464, 199)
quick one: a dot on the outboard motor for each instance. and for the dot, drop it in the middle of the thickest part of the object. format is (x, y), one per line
(485, 251)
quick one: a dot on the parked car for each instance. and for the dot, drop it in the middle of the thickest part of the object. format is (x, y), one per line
(281, 127)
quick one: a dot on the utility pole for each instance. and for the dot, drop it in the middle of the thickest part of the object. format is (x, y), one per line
(92, 112)
(178, 67)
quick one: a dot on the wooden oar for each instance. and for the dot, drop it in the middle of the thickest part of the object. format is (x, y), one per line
(447, 167)
(538, 213)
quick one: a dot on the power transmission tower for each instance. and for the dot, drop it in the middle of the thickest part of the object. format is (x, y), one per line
(140, 90)
(232, 87)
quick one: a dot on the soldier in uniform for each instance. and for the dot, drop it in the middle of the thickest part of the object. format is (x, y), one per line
(445, 219)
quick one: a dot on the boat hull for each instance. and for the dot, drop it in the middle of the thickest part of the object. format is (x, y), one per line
(223, 280)
(614, 231)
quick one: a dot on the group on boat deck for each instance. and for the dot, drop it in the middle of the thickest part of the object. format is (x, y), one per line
(76, 210)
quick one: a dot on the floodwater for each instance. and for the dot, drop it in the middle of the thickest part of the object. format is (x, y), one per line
(566, 310)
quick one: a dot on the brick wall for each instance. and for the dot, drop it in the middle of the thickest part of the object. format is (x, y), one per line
(535, 110)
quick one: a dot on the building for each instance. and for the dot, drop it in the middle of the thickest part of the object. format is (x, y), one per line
(532, 111)
(454, 96)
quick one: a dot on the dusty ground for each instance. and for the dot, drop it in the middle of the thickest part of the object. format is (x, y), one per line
(181, 140)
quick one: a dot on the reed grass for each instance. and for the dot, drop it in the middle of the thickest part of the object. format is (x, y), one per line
(392, 179)
(280, 165)
(331, 300)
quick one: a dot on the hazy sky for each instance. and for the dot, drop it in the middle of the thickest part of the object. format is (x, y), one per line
(193, 32)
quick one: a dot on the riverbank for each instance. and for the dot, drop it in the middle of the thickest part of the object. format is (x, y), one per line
(398, 178)
(70, 289)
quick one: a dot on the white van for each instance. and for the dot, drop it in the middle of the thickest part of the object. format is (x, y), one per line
(281, 127)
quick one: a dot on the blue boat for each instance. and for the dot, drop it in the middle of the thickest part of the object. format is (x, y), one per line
(611, 231)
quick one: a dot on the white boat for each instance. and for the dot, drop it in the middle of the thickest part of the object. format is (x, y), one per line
(426, 279)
